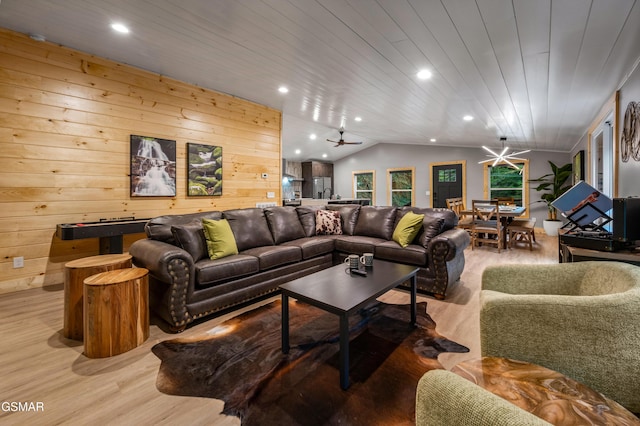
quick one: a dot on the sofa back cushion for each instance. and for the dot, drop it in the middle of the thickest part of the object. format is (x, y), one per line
(249, 227)
(159, 228)
(190, 237)
(376, 221)
(349, 216)
(284, 224)
(307, 216)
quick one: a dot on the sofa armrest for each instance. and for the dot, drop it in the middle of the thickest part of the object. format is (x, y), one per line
(563, 278)
(173, 267)
(156, 256)
(444, 398)
(448, 244)
(591, 339)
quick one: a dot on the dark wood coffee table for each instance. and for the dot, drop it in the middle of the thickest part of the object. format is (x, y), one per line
(340, 292)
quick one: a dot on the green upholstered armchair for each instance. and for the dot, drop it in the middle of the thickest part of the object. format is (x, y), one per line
(443, 399)
(580, 319)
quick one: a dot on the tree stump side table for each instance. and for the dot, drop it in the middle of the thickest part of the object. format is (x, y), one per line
(75, 273)
(116, 311)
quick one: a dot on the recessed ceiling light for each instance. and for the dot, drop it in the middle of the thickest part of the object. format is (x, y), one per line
(424, 74)
(432, 140)
(121, 28)
(324, 155)
(358, 118)
(298, 151)
(312, 136)
(283, 89)
(37, 37)
(467, 118)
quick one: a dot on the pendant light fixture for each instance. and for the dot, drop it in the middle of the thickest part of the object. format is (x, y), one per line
(503, 157)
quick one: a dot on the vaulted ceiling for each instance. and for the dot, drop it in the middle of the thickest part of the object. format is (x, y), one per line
(534, 71)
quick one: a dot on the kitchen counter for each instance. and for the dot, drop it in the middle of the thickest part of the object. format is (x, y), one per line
(324, 201)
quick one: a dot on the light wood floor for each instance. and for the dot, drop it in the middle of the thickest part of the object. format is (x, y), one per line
(37, 364)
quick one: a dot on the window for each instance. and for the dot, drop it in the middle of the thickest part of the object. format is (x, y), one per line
(400, 183)
(503, 181)
(364, 185)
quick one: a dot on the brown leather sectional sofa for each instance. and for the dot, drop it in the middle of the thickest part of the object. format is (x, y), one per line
(279, 244)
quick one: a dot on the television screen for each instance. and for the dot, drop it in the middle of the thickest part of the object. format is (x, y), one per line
(583, 204)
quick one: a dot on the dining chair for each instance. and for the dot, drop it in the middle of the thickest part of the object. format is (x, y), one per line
(457, 205)
(522, 230)
(505, 201)
(486, 226)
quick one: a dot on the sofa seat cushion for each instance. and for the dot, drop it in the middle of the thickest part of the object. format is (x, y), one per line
(284, 224)
(273, 256)
(375, 221)
(413, 254)
(210, 272)
(355, 244)
(314, 246)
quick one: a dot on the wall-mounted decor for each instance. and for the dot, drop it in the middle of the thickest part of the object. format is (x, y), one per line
(153, 167)
(578, 167)
(204, 168)
(630, 140)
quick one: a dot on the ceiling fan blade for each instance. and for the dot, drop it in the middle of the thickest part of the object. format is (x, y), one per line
(353, 143)
(332, 141)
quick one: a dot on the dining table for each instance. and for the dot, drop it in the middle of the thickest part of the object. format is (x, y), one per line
(507, 213)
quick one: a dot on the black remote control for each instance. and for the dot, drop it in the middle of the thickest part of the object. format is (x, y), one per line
(359, 272)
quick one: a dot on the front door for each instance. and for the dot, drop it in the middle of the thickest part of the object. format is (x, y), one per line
(446, 182)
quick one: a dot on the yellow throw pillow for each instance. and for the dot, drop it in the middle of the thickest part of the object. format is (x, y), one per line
(407, 228)
(220, 239)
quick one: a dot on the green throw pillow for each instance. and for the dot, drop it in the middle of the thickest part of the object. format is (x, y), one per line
(220, 239)
(407, 228)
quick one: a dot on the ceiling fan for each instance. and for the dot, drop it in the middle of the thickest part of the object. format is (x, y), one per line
(342, 141)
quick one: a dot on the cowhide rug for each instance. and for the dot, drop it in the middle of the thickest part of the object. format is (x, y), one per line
(240, 362)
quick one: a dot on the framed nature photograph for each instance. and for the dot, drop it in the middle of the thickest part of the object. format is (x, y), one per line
(153, 167)
(204, 169)
(578, 167)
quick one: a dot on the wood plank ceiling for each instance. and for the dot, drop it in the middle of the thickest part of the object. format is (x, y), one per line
(536, 72)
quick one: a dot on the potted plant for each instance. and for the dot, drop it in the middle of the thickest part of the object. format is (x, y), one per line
(552, 186)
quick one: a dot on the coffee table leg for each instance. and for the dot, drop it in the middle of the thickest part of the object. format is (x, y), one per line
(414, 290)
(285, 323)
(344, 351)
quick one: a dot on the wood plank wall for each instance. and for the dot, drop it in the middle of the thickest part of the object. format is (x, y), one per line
(65, 122)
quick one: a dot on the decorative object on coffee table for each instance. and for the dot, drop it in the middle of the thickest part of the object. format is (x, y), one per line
(116, 311)
(75, 273)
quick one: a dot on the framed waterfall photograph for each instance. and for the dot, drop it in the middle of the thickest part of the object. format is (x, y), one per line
(153, 167)
(204, 169)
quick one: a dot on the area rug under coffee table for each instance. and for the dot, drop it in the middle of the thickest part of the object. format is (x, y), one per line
(240, 362)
